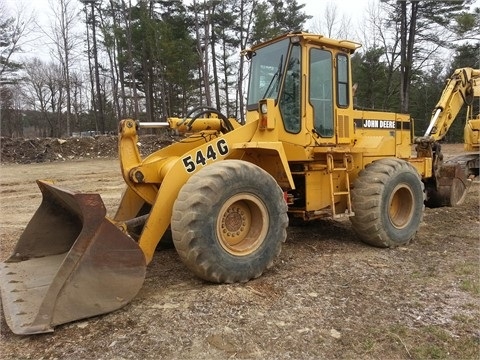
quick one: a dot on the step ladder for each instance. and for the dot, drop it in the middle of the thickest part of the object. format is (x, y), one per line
(345, 168)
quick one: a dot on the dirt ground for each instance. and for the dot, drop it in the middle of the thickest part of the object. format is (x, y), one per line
(328, 296)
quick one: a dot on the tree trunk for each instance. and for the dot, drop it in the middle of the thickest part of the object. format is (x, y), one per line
(245, 32)
(407, 38)
(216, 85)
(202, 49)
(99, 97)
(90, 71)
(128, 28)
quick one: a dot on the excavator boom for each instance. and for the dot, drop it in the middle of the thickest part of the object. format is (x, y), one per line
(461, 89)
(451, 179)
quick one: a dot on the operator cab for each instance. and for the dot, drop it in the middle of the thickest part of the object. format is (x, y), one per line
(308, 77)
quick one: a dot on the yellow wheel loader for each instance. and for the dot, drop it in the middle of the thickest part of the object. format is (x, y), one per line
(227, 190)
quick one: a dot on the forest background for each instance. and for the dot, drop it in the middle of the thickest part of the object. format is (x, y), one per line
(99, 61)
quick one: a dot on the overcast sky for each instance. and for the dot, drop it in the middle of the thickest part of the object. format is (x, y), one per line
(355, 10)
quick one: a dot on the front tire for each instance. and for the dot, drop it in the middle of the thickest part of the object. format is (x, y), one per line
(229, 222)
(387, 198)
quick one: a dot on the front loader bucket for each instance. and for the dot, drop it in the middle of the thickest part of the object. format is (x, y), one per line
(70, 263)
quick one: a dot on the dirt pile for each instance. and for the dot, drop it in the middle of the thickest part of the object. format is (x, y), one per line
(38, 150)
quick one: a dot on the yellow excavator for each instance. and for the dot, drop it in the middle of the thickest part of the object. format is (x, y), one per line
(226, 191)
(461, 90)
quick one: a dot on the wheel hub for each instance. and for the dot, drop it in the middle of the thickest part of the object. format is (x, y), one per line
(242, 224)
(234, 222)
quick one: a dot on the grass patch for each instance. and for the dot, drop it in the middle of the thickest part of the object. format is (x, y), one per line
(470, 285)
(426, 342)
(470, 273)
(467, 268)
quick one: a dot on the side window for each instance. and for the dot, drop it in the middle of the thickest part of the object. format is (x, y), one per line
(321, 90)
(342, 80)
(290, 100)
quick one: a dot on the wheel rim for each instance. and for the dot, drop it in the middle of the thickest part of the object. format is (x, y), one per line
(242, 224)
(401, 206)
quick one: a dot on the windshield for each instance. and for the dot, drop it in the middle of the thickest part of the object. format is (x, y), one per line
(266, 71)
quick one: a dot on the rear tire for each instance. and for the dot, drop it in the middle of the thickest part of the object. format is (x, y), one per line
(229, 222)
(387, 198)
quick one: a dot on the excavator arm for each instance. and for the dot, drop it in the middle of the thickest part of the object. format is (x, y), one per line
(461, 89)
(450, 179)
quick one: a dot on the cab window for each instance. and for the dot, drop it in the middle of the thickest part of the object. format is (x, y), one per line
(290, 100)
(342, 80)
(321, 90)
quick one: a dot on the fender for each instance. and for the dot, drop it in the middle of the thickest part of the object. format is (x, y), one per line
(270, 156)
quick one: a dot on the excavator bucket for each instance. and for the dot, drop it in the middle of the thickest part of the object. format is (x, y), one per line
(70, 263)
(452, 186)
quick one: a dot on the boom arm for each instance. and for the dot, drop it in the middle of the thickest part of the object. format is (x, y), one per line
(460, 90)
(448, 183)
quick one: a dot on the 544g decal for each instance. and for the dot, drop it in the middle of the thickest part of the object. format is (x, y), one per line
(201, 157)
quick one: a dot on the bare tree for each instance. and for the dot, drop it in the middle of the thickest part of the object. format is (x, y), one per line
(408, 23)
(109, 24)
(380, 33)
(15, 32)
(44, 92)
(332, 23)
(96, 91)
(79, 97)
(128, 24)
(65, 40)
(11, 124)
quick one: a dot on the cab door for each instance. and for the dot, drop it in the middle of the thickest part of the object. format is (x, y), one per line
(329, 96)
(320, 98)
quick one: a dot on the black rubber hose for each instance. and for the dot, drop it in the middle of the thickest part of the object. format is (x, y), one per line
(209, 110)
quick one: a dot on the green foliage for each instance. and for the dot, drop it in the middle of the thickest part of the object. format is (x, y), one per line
(438, 21)
(426, 90)
(274, 18)
(9, 33)
(466, 55)
(177, 60)
(224, 34)
(163, 60)
(468, 24)
(418, 30)
(370, 73)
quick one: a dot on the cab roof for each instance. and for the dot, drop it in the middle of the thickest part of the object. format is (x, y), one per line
(318, 39)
